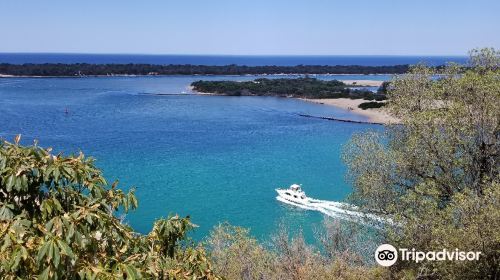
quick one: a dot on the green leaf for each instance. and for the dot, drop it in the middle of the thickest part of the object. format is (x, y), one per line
(6, 213)
(56, 174)
(71, 232)
(66, 250)
(24, 253)
(50, 253)
(45, 274)
(10, 182)
(24, 182)
(42, 251)
(17, 259)
(57, 256)
(68, 170)
(17, 185)
(131, 272)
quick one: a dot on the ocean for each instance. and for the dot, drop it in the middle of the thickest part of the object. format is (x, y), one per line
(214, 158)
(249, 60)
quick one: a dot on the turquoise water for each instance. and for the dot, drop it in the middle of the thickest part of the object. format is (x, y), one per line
(214, 158)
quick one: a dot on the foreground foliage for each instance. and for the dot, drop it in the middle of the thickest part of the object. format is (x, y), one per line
(58, 221)
(437, 175)
(336, 255)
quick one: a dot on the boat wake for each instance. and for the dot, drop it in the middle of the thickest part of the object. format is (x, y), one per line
(335, 209)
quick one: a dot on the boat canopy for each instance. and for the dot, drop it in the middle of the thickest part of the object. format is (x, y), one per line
(295, 187)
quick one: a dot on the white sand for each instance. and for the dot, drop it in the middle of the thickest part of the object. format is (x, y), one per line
(367, 83)
(377, 115)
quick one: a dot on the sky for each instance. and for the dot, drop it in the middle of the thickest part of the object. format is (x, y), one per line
(253, 27)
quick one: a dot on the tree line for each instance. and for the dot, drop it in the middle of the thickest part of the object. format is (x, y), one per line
(301, 87)
(85, 69)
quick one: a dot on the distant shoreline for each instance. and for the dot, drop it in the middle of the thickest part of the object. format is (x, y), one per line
(374, 115)
(4, 76)
(85, 69)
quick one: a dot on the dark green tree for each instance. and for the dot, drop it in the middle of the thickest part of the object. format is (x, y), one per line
(437, 176)
(57, 221)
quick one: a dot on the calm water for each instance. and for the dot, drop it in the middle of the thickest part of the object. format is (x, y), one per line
(214, 158)
(367, 60)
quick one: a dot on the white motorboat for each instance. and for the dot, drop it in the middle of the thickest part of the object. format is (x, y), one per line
(293, 194)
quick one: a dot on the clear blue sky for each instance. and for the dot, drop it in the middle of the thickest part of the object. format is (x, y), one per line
(303, 27)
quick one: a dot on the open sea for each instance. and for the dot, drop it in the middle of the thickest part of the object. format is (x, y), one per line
(214, 158)
(249, 60)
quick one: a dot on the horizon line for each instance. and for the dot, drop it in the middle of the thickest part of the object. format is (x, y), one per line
(248, 55)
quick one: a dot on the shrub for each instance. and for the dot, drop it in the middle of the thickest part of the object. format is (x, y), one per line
(57, 221)
(370, 105)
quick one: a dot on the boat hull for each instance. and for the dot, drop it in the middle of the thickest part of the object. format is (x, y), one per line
(290, 197)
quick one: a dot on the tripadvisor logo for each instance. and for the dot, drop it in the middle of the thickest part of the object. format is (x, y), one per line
(387, 255)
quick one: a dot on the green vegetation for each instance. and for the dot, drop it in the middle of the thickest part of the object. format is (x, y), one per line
(371, 105)
(343, 252)
(84, 69)
(58, 221)
(384, 88)
(437, 175)
(300, 87)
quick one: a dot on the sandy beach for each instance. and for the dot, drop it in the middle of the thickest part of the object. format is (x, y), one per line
(366, 83)
(377, 115)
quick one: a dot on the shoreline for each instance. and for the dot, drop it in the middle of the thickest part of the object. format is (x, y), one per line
(374, 115)
(229, 75)
(362, 83)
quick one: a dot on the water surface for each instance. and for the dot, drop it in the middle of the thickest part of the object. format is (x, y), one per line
(214, 158)
(249, 60)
